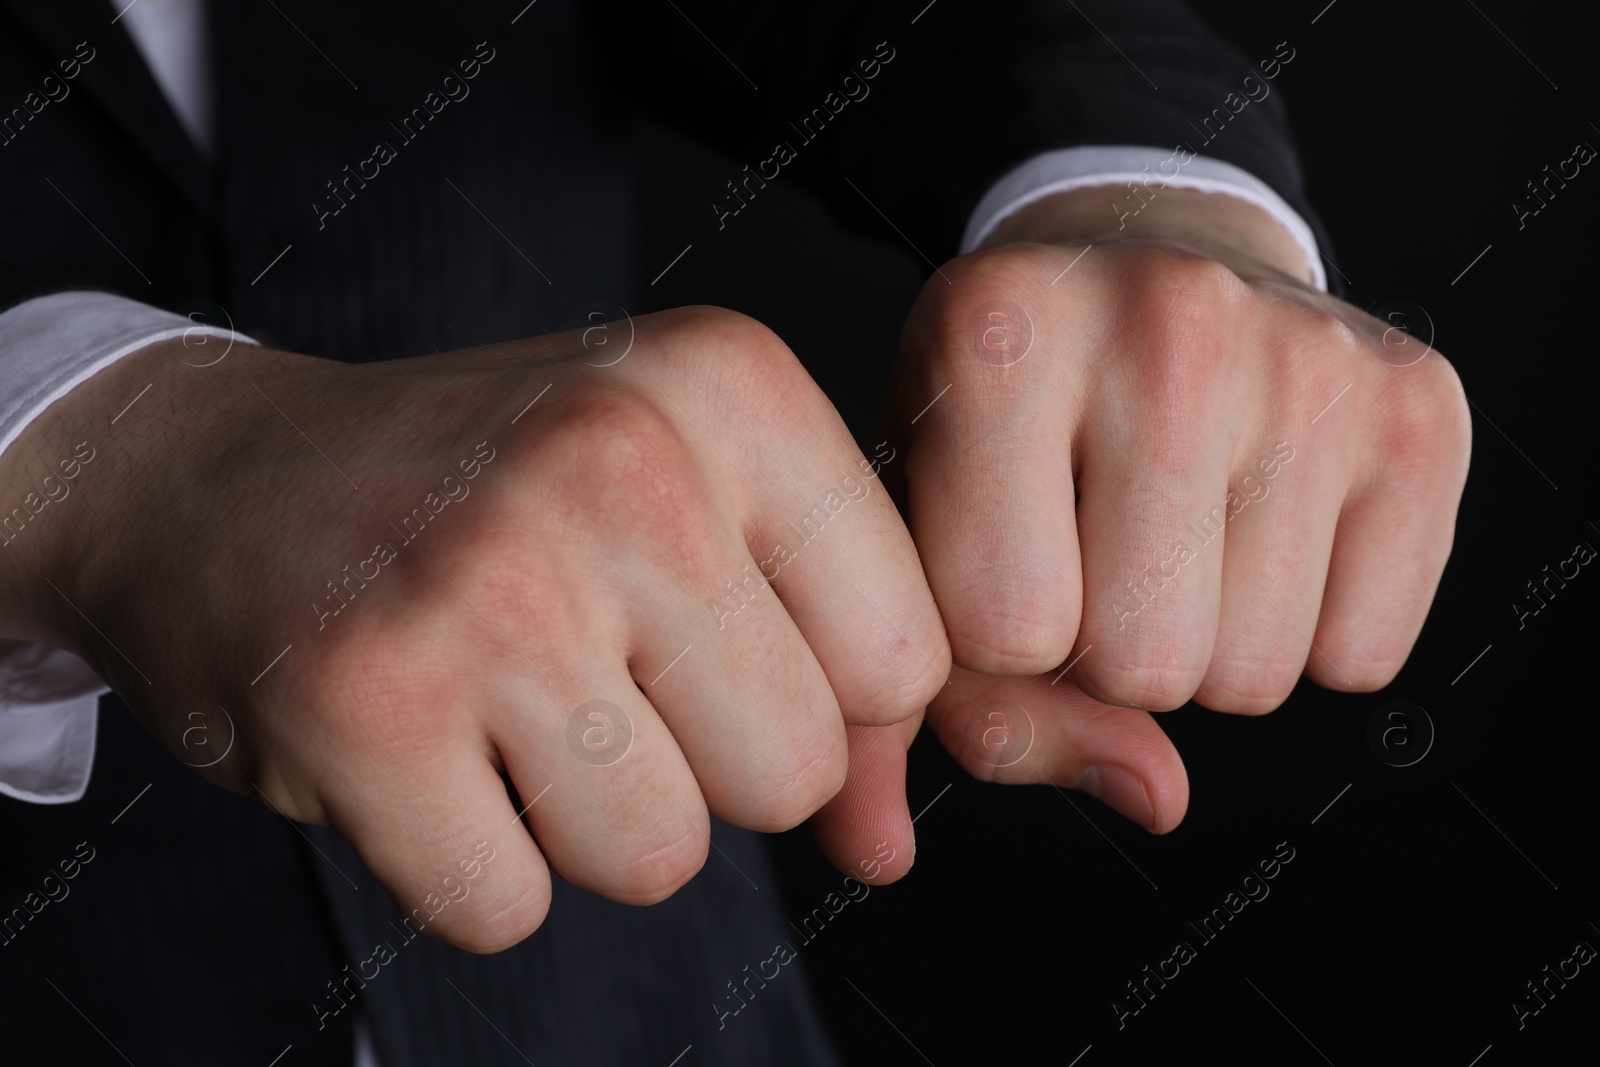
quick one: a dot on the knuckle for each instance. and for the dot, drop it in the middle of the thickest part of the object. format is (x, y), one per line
(698, 325)
(1426, 415)
(1181, 297)
(750, 377)
(1315, 354)
(786, 800)
(1327, 340)
(1178, 341)
(499, 928)
(979, 277)
(1357, 672)
(640, 472)
(1320, 331)
(1248, 685)
(619, 468)
(1150, 686)
(904, 684)
(653, 843)
(1012, 622)
(656, 871)
(1165, 270)
(732, 343)
(980, 307)
(1000, 642)
(614, 448)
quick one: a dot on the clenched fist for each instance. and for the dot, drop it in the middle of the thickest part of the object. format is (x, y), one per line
(647, 580)
(1146, 462)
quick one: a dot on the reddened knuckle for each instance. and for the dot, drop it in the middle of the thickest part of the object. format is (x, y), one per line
(632, 456)
(1424, 418)
(1177, 334)
(1189, 361)
(626, 474)
(584, 443)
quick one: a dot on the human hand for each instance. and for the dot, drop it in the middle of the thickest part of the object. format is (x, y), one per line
(360, 593)
(1090, 412)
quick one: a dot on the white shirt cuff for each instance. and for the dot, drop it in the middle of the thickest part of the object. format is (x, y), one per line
(48, 697)
(49, 700)
(1065, 169)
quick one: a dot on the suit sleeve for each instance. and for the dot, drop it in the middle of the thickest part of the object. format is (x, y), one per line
(954, 101)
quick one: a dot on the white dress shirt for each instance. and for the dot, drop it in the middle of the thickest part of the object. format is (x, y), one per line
(48, 697)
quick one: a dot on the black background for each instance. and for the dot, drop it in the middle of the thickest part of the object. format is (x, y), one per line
(1408, 921)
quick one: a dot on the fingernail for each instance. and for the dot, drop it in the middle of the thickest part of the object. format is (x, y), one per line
(1120, 789)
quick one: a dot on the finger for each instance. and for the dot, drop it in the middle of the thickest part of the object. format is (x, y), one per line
(444, 840)
(990, 489)
(1022, 730)
(744, 697)
(848, 574)
(752, 711)
(865, 830)
(1152, 525)
(608, 795)
(1273, 575)
(818, 525)
(1389, 551)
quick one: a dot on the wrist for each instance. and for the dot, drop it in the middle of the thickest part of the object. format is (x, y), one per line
(83, 474)
(1233, 231)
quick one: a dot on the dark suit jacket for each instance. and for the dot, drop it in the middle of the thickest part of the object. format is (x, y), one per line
(401, 213)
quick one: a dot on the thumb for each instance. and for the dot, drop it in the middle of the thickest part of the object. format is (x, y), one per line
(865, 830)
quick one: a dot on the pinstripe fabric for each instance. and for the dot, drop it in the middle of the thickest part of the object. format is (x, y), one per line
(599, 983)
(190, 936)
(495, 218)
